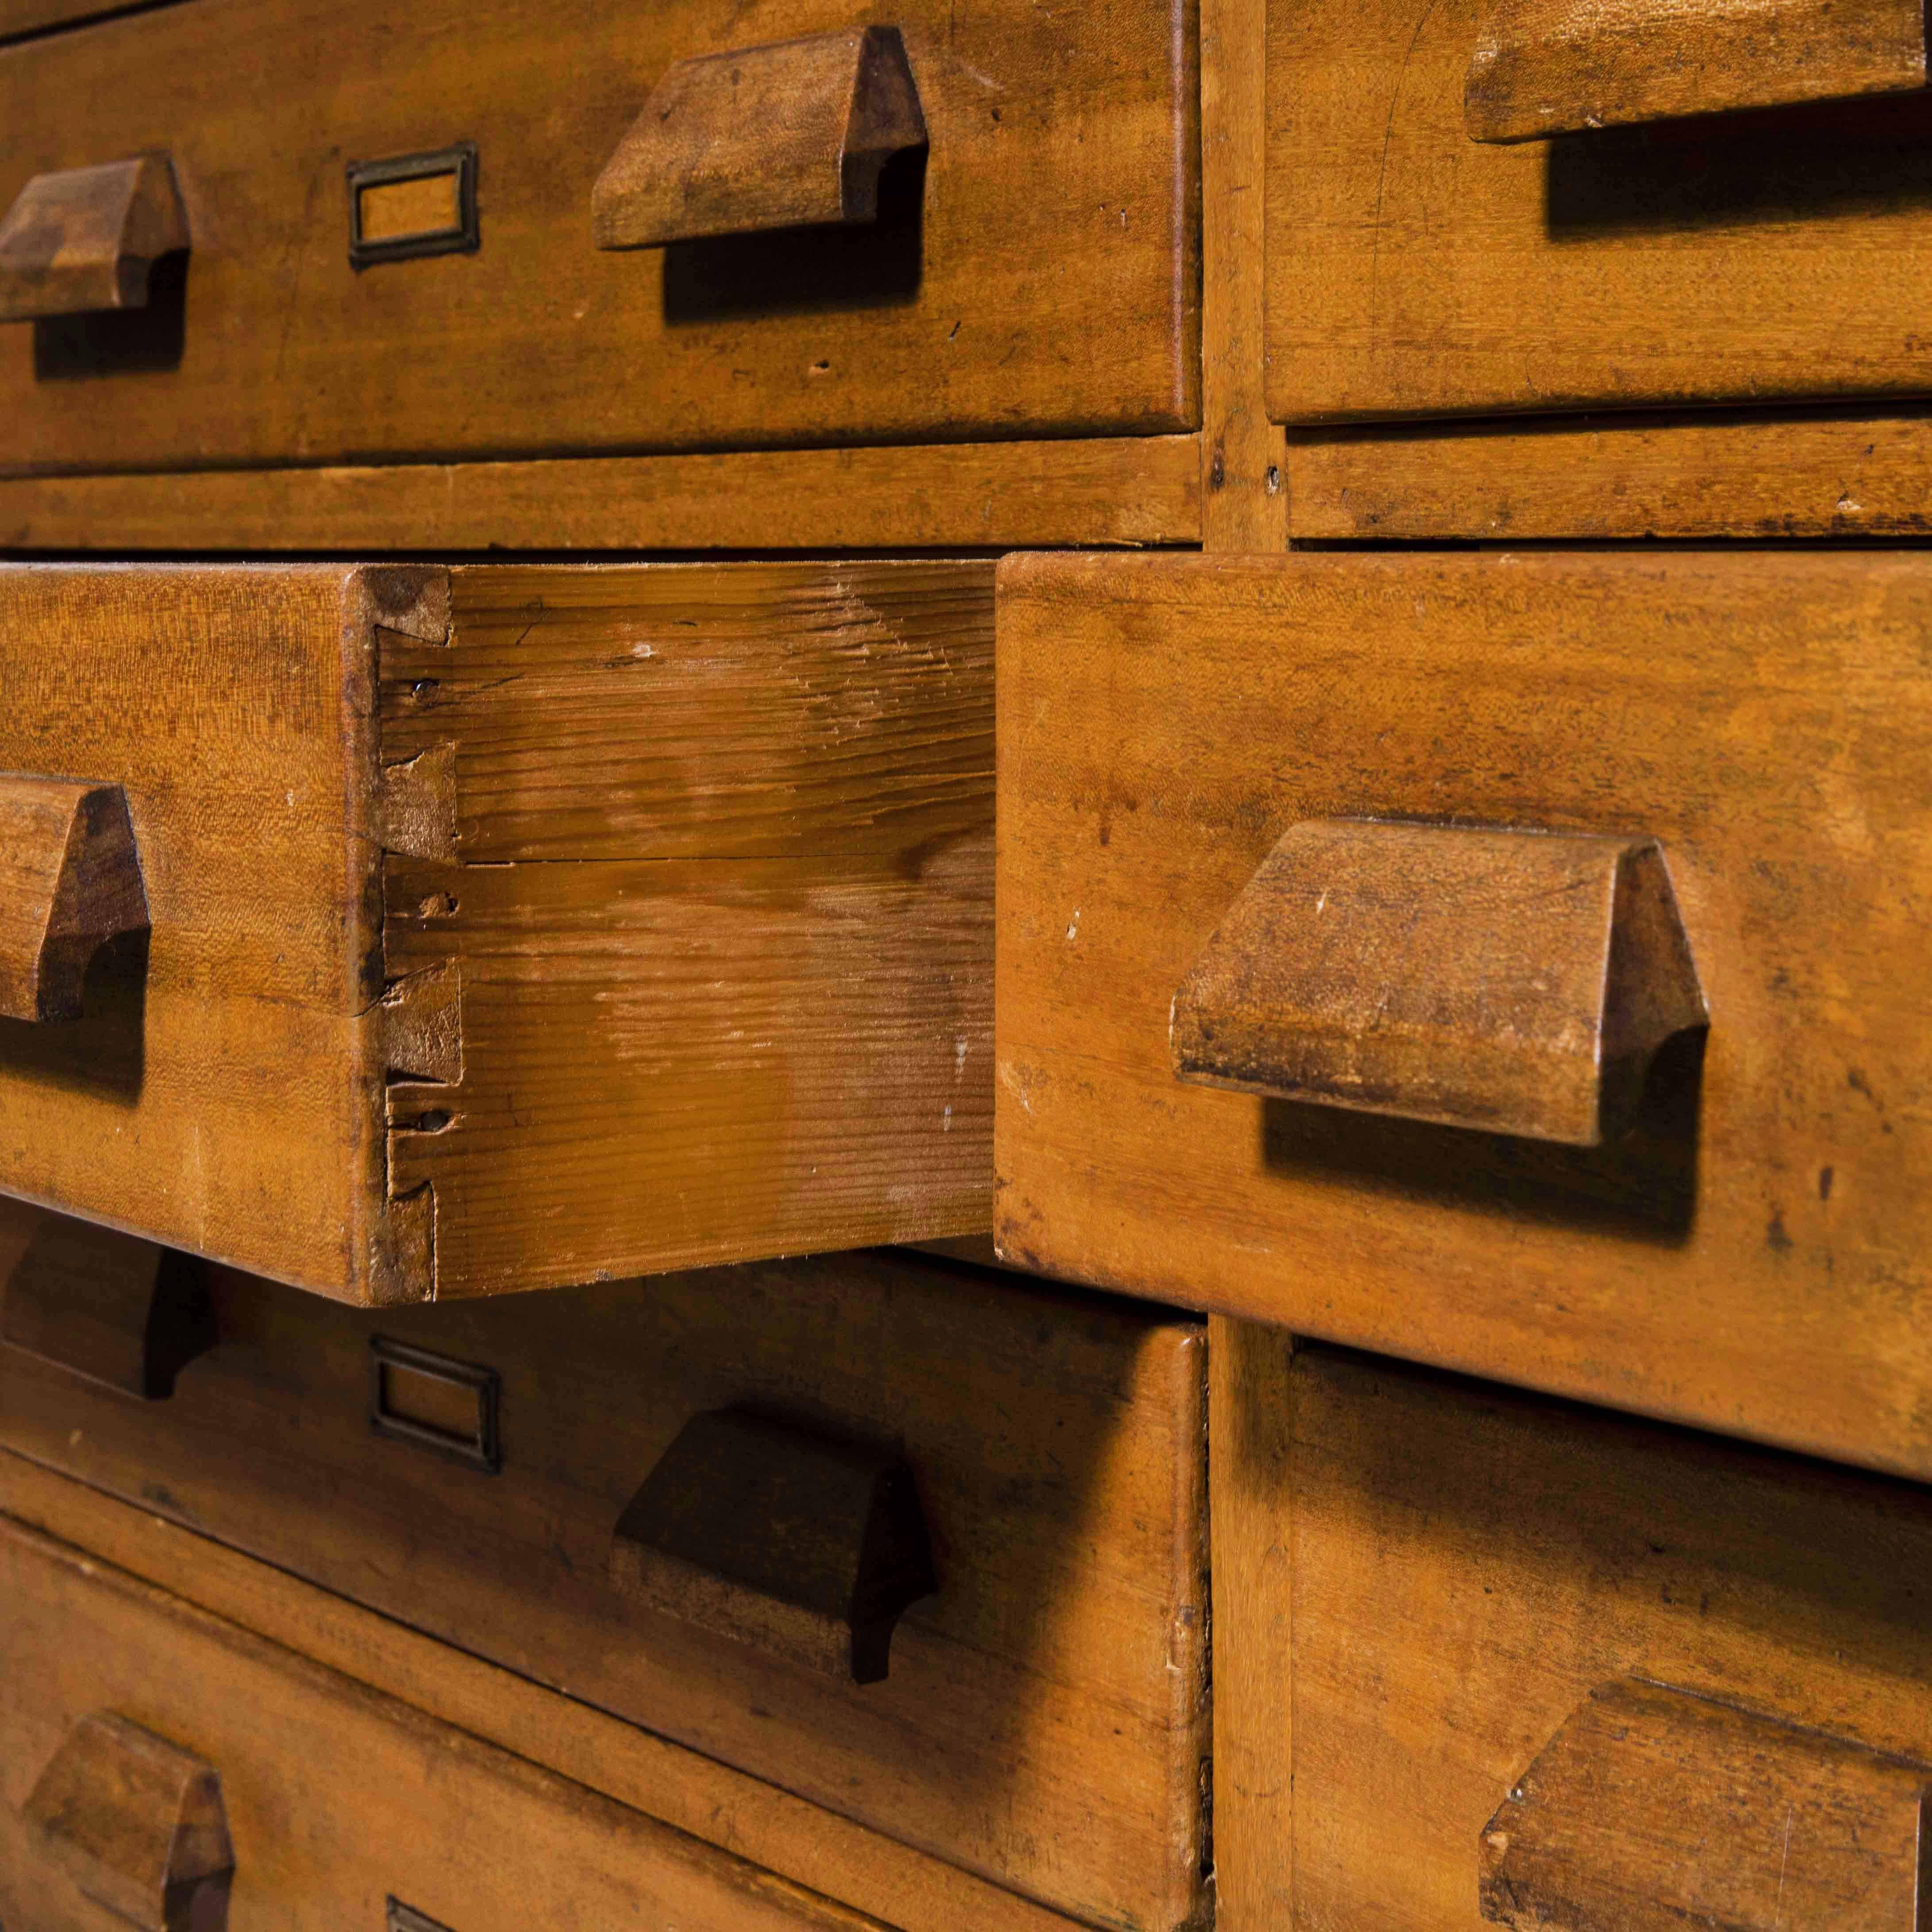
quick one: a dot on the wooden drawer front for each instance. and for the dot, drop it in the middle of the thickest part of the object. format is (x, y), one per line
(1478, 1579)
(1032, 270)
(472, 896)
(1740, 257)
(1749, 1255)
(1043, 1718)
(342, 1807)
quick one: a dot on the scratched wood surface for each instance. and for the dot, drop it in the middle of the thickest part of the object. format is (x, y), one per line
(217, 1093)
(1467, 1566)
(1035, 274)
(1714, 473)
(1748, 1257)
(338, 1797)
(1728, 257)
(1045, 1717)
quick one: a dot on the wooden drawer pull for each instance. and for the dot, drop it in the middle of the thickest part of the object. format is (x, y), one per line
(84, 240)
(109, 1306)
(771, 1535)
(70, 881)
(137, 1825)
(1655, 1809)
(1553, 67)
(1518, 982)
(780, 136)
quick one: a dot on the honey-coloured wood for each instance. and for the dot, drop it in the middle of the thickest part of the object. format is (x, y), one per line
(1039, 279)
(1466, 1567)
(1745, 1258)
(1123, 490)
(70, 881)
(336, 1797)
(789, 136)
(1558, 66)
(1512, 982)
(1773, 257)
(87, 238)
(136, 1824)
(1652, 1808)
(111, 1307)
(783, 1537)
(1835, 472)
(581, 873)
(1056, 1444)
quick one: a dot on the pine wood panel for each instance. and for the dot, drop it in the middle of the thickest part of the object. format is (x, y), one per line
(1467, 1566)
(1039, 276)
(758, 1821)
(1728, 257)
(1747, 1258)
(1123, 490)
(1719, 474)
(337, 1798)
(1045, 1720)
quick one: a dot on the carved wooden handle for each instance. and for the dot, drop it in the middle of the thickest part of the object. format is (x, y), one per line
(70, 881)
(86, 239)
(136, 1825)
(772, 1535)
(1555, 66)
(110, 1307)
(1518, 982)
(779, 136)
(1655, 1809)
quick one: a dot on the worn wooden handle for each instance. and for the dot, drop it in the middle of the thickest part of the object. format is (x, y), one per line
(70, 881)
(780, 136)
(776, 1536)
(1553, 67)
(1519, 983)
(136, 1825)
(1654, 1809)
(86, 239)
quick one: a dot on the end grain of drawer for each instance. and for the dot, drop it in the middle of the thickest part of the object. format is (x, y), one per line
(1469, 1572)
(1034, 270)
(514, 926)
(339, 1804)
(1044, 1721)
(1752, 730)
(1772, 256)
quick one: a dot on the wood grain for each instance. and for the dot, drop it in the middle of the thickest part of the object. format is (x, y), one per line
(70, 881)
(87, 238)
(1243, 490)
(746, 947)
(1038, 279)
(1742, 258)
(1557, 67)
(1652, 1807)
(1722, 473)
(758, 1821)
(1250, 1462)
(1511, 982)
(336, 1795)
(996, 496)
(1746, 1259)
(791, 135)
(1045, 1721)
(1468, 1565)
